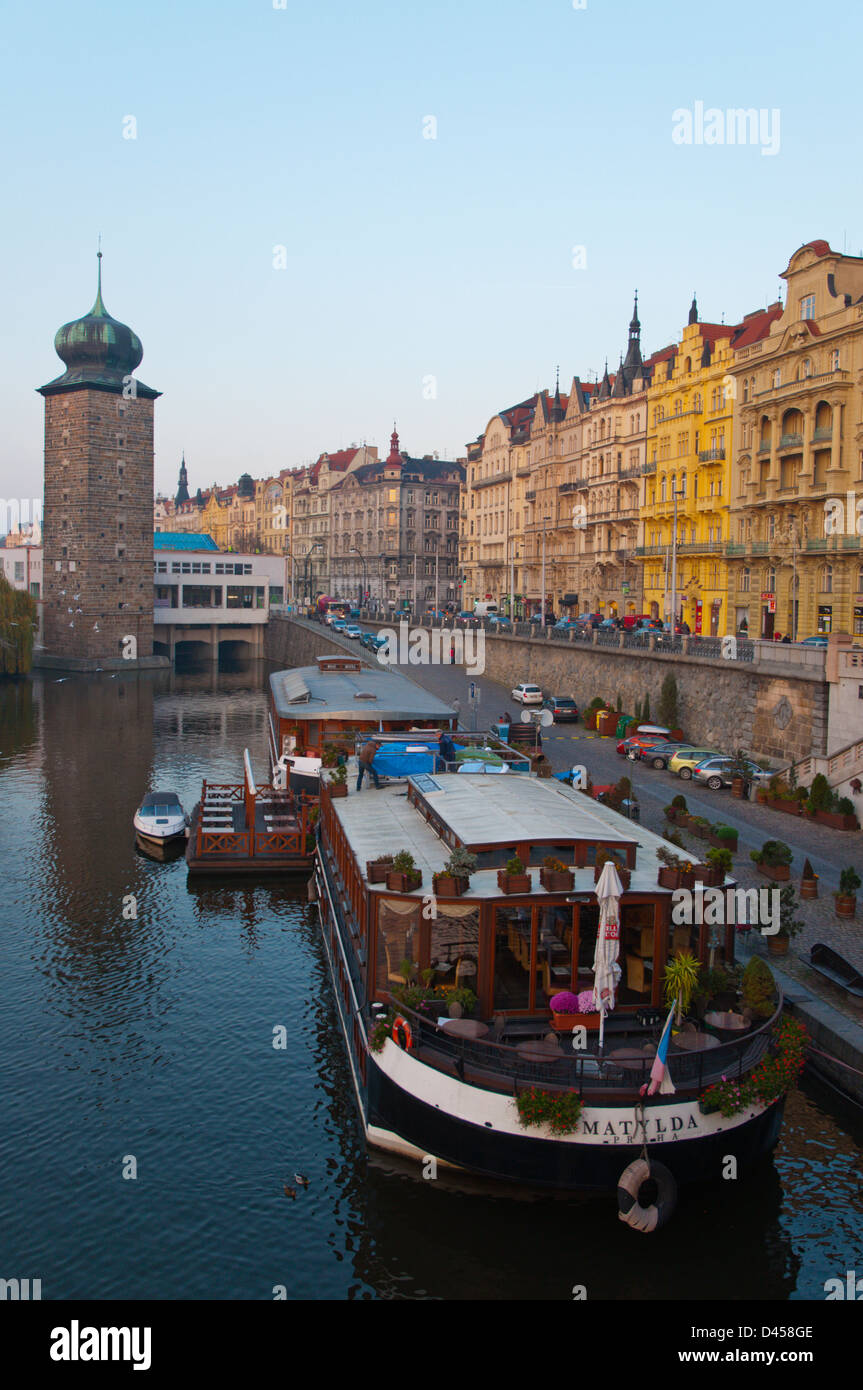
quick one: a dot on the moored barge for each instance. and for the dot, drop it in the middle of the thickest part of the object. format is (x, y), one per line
(445, 1082)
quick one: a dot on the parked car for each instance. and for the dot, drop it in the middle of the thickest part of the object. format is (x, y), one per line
(499, 622)
(719, 772)
(660, 754)
(644, 735)
(563, 707)
(376, 642)
(820, 640)
(527, 694)
(465, 617)
(684, 763)
(566, 623)
(353, 630)
(537, 618)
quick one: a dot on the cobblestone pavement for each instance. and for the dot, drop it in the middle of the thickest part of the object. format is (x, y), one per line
(828, 850)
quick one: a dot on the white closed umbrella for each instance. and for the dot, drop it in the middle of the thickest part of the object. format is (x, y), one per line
(606, 971)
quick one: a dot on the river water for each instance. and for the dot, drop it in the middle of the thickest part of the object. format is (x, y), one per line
(144, 1043)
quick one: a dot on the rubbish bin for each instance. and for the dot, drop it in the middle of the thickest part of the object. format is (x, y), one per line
(622, 722)
(606, 723)
(631, 808)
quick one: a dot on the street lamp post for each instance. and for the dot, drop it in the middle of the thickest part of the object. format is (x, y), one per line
(383, 597)
(316, 545)
(512, 559)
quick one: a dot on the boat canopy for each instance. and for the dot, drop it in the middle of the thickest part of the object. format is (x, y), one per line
(160, 799)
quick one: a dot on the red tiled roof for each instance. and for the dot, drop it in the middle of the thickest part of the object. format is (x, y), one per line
(755, 326)
(821, 248)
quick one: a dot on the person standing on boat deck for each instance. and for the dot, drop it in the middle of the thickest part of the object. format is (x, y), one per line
(446, 750)
(365, 761)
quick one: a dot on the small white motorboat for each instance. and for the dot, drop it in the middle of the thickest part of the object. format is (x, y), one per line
(160, 818)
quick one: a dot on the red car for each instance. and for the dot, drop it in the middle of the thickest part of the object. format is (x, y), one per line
(644, 737)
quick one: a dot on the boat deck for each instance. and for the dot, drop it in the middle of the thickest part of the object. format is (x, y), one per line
(234, 833)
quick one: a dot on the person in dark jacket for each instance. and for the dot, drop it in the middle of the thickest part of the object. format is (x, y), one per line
(366, 760)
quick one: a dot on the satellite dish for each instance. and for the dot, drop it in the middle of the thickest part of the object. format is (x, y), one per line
(525, 716)
(546, 718)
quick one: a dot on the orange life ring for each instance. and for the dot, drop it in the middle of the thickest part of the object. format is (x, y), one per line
(408, 1043)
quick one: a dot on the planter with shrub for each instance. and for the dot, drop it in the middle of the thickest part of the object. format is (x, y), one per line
(773, 860)
(377, 869)
(555, 877)
(570, 1011)
(846, 895)
(454, 877)
(514, 878)
(808, 882)
(723, 837)
(404, 876)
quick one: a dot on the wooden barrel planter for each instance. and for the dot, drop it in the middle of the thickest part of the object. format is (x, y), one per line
(777, 945)
(846, 904)
(808, 888)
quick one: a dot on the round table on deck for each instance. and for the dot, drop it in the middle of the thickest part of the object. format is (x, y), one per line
(695, 1042)
(539, 1051)
(465, 1028)
(631, 1059)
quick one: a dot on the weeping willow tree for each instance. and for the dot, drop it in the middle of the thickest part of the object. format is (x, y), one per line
(17, 625)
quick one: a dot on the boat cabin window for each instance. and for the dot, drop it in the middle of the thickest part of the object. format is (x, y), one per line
(565, 853)
(637, 940)
(495, 858)
(513, 954)
(398, 941)
(454, 946)
(171, 809)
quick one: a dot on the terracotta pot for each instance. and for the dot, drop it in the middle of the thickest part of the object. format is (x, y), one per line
(779, 873)
(808, 888)
(513, 883)
(403, 883)
(777, 945)
(445, 886)
(556, 880)
(377, 873)
(846, 904)
(564, 1023)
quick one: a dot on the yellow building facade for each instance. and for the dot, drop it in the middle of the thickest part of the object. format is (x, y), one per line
(687, 475)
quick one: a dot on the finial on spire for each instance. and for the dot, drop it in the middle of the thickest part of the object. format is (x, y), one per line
(693, 310)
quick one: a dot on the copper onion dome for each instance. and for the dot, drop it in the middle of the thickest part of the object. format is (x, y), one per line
(99, 352)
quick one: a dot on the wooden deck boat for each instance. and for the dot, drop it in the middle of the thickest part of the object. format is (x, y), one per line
(448, 1087)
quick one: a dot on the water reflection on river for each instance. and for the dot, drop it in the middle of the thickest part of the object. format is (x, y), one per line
(150, 1036)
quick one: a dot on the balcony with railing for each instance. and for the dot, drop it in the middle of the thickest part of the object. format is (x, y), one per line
(765, 446)
(824, 432)
(791, 441)
(713, 455)
(649, 466)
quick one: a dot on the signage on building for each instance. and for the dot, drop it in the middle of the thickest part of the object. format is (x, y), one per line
(771, 605)
(766, 595)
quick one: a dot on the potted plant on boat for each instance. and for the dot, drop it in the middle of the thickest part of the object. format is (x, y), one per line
(514, 878)
(758, 987)
(555, 877)
(723, 837)
(404, 876)
(570, 1011)
(377, 869)
(808, 882)
(670, 867)
(602, 858)
(338, 781)
(773, 860)
(720, 863)
(789, 926)
(454, 878)
(846, 895)
(680, 982)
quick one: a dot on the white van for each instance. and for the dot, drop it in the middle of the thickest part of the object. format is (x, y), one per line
(482, 610)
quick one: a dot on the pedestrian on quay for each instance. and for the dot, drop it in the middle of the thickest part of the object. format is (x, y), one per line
(365, 761)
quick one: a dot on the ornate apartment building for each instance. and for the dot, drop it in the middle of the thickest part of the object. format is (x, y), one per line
(795, 560)
(394, 526)
(552, 496)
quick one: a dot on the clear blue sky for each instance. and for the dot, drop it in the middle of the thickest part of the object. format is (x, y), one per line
(406, 257)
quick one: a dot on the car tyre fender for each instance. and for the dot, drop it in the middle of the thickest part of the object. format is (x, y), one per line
(714, 783)
(685, 774)
(658, 762)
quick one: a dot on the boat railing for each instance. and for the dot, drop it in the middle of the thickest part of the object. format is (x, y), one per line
(474, 1059)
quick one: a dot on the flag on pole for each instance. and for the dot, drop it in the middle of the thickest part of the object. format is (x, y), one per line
(659, 1078)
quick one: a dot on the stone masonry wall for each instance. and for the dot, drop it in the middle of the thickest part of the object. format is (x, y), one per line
(98, 523)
